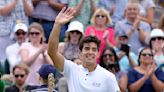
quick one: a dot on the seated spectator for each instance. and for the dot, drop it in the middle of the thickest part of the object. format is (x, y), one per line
(109, 61)
(84, 10)
(155, 43)
(34, 52)
(127, 58)
(146, 77)
(70, 48)
(147, 10)
(20, 72)
(10, 12)
(47, 75)
(13, 57)
(161, 23)
(100, 29)
(8, 80)
(115, 8)
(133, 27)
(45, 11)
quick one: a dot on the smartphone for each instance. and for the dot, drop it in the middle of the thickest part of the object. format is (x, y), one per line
(125, 48)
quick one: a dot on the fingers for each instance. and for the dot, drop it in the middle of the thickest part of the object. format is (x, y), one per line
(62, 11)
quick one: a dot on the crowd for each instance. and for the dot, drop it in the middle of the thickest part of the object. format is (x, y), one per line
(81, 46)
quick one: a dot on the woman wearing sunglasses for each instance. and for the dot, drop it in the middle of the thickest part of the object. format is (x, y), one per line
(109, 61)
(101, 20)
(34, 52)
(146, 77)
(155, 43)
(70, 48)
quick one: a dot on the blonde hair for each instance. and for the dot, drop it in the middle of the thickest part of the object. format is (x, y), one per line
(161, 22)
(40, 28)
(51, 82)
(21, 66)
(109, 20)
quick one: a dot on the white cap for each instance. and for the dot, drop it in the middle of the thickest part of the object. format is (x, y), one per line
(156, 33)
(75, 25)
(21, 26)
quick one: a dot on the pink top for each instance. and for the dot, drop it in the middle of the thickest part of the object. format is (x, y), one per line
(33, 76)
(99, 33)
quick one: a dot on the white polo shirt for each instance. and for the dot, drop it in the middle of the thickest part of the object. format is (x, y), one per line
(81, 80)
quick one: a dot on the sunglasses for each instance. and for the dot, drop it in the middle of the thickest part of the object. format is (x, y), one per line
(100, 16)
(34, 33)
(20, 33)
(19, 75)
(158, 38)
(105, 55)
(147, 54)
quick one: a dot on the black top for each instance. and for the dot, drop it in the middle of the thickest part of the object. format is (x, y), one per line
(15, 89)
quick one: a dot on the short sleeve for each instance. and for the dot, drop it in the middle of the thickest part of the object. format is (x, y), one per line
(113, 85)
(151, 4)
(73, 3)
(63, 1)
(146, 27)
(131, 76)
(159, 74)
(88, 30)
(69, 68)
(118, 29)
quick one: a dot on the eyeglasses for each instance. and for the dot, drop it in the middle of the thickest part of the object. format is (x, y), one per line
(76, 31)
(100, 16)
(20, 33)
(34, 33)
(19, 75)
(105, 55)
(158, 38)
(147, 54)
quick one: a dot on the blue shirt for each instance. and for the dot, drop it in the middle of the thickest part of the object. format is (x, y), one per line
(134, 41)
(134, 76)
(124, 61)
(119, 8)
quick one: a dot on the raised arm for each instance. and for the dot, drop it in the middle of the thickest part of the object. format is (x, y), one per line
(7, 8)
(63, 17)
(56, 5)
(28, 8)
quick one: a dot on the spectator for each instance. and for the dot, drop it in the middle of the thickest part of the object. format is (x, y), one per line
(44, 13)
(10, 12)
(84, 10)
(2, 86)
(109, 61)
(155, 43)
(88, 77)
(12, 51)
(34, 52)
(70, 48)
(146, 77)
(47, 74)
(127, 58)
(147, 11)
(161, 23)
(100, 29)
(134, 28)
(115, 8)
(20, 72)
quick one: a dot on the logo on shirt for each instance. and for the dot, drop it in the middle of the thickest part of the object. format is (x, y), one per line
(96, 84)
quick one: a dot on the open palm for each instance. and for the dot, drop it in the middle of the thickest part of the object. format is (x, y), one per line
(65, 15)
